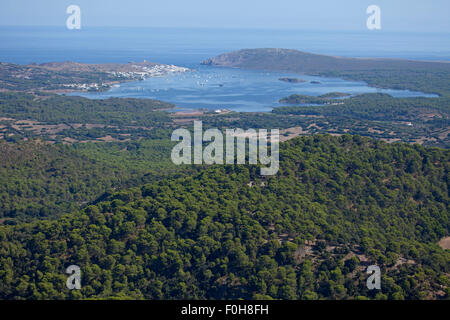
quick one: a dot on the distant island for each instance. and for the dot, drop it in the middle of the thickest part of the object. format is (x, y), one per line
(292, 80)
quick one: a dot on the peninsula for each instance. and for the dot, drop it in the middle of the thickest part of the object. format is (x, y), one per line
(74, 76)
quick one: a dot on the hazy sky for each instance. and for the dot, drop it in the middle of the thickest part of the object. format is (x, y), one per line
(396, 15)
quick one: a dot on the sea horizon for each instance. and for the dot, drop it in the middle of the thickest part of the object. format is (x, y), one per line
(189, 46)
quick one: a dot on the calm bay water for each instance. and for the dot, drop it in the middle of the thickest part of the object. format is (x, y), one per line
(234, 89)
(209, 87)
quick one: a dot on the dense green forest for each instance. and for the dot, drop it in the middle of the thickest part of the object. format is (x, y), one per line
(336, 205)
(69, 119)
(51, 108)
(39, 180)
(327, 98)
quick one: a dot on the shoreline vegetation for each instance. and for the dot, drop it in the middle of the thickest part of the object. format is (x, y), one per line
(333, 98)
(425, 76)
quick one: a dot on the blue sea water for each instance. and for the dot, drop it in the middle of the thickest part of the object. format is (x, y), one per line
(209, 87)
(187, 46)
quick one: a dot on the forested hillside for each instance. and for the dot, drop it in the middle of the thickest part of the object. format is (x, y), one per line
(337, 205)
(53, 109)
(40, 180)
